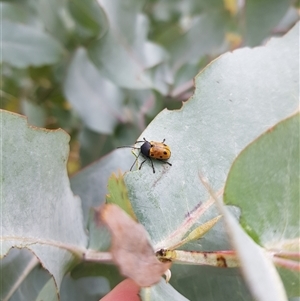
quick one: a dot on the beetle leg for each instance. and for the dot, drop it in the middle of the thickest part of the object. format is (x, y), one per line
(142, 163)
(166, 162)
(152, 165)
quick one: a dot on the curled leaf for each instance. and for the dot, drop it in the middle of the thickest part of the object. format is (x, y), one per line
(130, 247)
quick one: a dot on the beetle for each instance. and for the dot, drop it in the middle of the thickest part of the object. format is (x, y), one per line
(152, 150)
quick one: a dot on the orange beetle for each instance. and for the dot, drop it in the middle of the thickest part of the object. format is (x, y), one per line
(153, 150)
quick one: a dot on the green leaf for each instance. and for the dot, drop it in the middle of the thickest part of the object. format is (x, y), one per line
(23, 46)
(15, 1)
(36, 196)
(205, 33)
(91, 183)
(125, 45)
(55, 18)
(87, 288)
(290, 279)
(97, 100)
(211, 282)
(90, 18)
(21, 269)
(259, 272)
(118, 194)
(93, 145)
(36, 114)
(264, 183)
(261, 17)
(237, 97)
(95, 269)
(18, 12)
(99, 236)
(48, 292)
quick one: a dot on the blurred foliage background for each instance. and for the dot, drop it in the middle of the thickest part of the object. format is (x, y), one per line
(102, 70)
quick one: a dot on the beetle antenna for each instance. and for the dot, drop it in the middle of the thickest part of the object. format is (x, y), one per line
(128, 146)
(135, 161)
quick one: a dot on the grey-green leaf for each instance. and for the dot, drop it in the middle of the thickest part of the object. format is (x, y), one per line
(18, 270)
(261, 17)
(264, 183)
(23, 46)
(123, 45)
(90, 19)
(39, 210)
(97, 100)
(238, 97)
(91, 183)
(259, 272)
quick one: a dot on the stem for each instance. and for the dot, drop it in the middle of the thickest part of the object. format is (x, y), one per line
(287, 254)
(224, 259)
(95, 256)
(286, 263)
(29, 241)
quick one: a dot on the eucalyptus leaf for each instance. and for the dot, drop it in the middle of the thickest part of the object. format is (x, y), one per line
(55, 18)
(259, 272)
(97, 100)
(211, 283)
(87, 288)
(91, 183)
(259, 24)
(48, 292)
(39, 210)
(125, 45)
(264, 183)
(237, 97)
(22, 277)
(205, 34)
(23, 46)
(19, 12)
(36, 114)
(94, 269)
(91, 21)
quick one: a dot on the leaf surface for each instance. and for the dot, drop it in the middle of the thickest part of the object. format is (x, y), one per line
(23, 46)
(97, 100)
(39, 210)
(264, 183)
(18, 271)
(238, 97)
(125, 44)
(258, 24)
